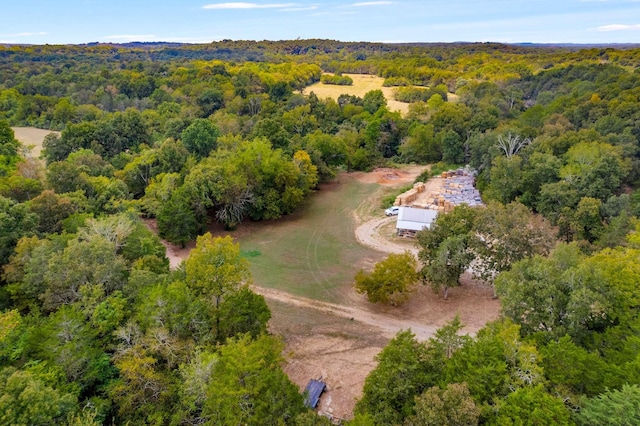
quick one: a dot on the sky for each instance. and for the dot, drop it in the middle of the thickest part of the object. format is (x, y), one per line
(193, 21)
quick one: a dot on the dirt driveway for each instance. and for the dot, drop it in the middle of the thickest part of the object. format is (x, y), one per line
(339, 341)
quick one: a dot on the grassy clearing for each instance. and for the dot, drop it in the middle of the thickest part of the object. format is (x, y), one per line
(312, 253)
(362, 83)
(32, 138)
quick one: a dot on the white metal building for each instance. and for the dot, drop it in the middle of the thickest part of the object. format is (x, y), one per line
(412, 220)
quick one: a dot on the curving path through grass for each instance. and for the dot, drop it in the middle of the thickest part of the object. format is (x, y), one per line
(386, 322)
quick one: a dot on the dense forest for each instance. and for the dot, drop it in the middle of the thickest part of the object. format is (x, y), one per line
(96, 329)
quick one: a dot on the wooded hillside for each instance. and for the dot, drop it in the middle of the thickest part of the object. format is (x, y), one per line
(96, 329)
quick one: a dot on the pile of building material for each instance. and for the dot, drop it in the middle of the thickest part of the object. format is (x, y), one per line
(407, 198)
(418, 209)
(456, 188)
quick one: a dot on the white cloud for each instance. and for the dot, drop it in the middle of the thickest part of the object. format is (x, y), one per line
(372, 3)
(299, 9)
(345, 13)
(243, 5)
(24, 34)
(618, 27)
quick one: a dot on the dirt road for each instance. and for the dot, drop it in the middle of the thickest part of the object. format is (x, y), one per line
(388, 324)
(369, 234)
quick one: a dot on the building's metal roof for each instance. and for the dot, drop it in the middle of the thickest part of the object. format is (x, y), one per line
(414, 219)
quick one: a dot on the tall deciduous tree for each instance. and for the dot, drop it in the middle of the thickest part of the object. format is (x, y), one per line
(141, 393)
(27, 398)
(201, 137)
(450, 260)
(421, 145)
(401, 374)
(373, 100)
(452, 148)
(16, 221)
(83, 264)
(177, 221)
(533, 293)
(452, 406)
(51, 209)
(120, 132)
(586, 221)
(391, 280)
(595, 169)
(20, 188)
(215, 269)
(507, 234)
(250, 387)
(506, 179)
(446, 248)
(8, 143)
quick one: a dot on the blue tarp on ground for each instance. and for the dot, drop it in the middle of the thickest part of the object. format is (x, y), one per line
(313, 391)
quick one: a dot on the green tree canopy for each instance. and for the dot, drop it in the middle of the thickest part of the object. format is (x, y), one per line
(16, 221)
(200, 138)
(401, 375)
(614, 407)
(391, 281)
(250, 387)
(452, 406)
(28, 398)
(446, 248)
(532, 406)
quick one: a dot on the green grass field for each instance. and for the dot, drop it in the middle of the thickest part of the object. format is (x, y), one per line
(312, 253)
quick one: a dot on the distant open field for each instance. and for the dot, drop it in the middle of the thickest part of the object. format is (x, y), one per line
(32, 138)
(362, 83)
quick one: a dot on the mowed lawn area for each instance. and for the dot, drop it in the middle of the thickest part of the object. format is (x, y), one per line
(312, 253)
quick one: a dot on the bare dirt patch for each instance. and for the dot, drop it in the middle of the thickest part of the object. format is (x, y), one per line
(339, 350)
(339, 342)
(388, 176)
